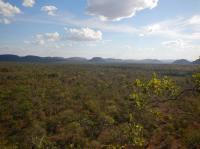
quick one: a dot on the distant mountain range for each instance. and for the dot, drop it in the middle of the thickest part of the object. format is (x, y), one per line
(31, 58)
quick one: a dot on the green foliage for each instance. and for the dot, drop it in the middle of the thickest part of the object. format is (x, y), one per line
(154, 89)
(135, 133)
(95, 106)
(145, 94)
(196, 80)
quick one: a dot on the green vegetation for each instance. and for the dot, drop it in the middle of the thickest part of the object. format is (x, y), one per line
(99, 106)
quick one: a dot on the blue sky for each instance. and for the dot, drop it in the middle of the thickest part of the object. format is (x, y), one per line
(128, 29)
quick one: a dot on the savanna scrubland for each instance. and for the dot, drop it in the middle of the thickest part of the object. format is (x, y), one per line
(99, 106)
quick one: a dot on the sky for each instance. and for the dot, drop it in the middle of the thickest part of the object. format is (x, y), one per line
(125, 29)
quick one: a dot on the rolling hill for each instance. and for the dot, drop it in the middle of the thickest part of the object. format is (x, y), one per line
(182, 62)
(98, 60)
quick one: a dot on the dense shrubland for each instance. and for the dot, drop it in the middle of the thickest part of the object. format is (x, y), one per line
(104, 106)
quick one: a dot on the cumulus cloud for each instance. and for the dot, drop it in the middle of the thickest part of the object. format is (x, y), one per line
(83, 34)
(41, 39)
(50, 10)
(28, 3)
(7, 10)
(5, 21)
(118, 9)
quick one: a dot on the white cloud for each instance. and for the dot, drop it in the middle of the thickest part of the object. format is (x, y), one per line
(118, 9)
(97, 24)
(76, 22)
(5, 21)
(7, 10)
(83, 34)
(175, 43)
(28, 3)
(179, 49)
(184, 28)
(52, 36)
(195, 36)
(141, 35)
(41, 39)
(195, 20)
(50, 10)
(180, 44)
(153, 28)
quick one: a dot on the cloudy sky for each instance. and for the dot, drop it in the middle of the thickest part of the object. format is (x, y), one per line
(127, 29)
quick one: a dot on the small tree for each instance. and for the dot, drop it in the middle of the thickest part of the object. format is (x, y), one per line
(145, 94)
(155, 90)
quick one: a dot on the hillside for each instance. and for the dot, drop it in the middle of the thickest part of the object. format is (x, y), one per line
(197, 61)
(76, 106)
(31, 58)
(98, 60)
(182, 62)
